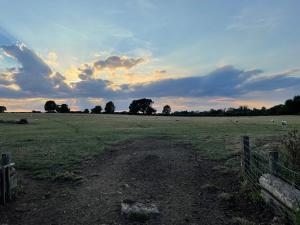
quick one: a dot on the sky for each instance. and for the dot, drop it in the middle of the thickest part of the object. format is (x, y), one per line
(190, 54)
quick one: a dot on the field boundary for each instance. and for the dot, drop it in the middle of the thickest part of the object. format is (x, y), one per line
(269, 175)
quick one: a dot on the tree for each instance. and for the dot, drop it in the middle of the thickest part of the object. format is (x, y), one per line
(278, 110)
(63, 108)
(166, 110)
(2, 109)
(140, 105)
(87, 111)
(50, 106)
(297, 103)
(97, 109)
(150, 110)
(110, 107)
(134, 107)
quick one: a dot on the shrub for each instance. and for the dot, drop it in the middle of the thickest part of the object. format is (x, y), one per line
(23, 121)
(291, 144)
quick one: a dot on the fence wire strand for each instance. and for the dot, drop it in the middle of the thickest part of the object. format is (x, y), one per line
(258, 163)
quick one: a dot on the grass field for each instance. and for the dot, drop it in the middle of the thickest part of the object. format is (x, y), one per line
(53, 145)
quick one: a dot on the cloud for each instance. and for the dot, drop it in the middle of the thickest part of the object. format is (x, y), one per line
(52, 59)
(86, 72)
(94, 88)
(6, 78)
(218, 83)
(268, 83)
(117, 62)
(226, 81)
(6, 39)
(161, 71)
(34, 77)
(254, 19)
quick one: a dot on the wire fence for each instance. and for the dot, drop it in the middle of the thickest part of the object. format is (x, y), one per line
(256, 162)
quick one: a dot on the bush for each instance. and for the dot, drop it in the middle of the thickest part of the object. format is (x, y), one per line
(291, 144)
(23, 121)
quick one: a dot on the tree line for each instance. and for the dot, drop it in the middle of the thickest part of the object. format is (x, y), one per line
(290, 107)
(51, 107)
(144, 106)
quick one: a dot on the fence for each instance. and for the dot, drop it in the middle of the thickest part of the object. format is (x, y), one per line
(256, 163)
(270, 175)
(8, 179)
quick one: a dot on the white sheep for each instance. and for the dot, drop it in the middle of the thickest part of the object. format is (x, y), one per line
(272, 120)
(284, 123)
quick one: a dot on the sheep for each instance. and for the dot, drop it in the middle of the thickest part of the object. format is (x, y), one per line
(284, 123)
(272, 120)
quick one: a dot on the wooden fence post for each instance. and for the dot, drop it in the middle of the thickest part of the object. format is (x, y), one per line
(3, 186)
(273, 162)
(5, 173)
(5, 159)
(246, 155)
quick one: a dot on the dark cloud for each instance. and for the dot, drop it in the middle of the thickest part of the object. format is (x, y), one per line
(115, 62)
(86, 72)
(218, 83)
(161, 71)
(8, 92)
(34, 76)
(94, 88)
(227, 81)
(271, 83)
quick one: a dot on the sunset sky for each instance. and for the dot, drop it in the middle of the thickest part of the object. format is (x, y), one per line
(191, 54)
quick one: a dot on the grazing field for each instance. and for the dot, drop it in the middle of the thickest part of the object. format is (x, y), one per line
(186, 166)
(54, 145)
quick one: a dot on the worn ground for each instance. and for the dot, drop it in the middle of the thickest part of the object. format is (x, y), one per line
(186, 189)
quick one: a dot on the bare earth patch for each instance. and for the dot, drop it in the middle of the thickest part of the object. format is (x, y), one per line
(184, 188)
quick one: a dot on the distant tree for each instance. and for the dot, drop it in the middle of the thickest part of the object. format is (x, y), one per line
(289, 104)
(166, 110)
(2, 109)
(110, 107)
(134, 107)
(97, 109)
(86, 111)
(297, 104)
(277, 110)
(150, 110)
(50, 106)
(63, 108)
(140, 105)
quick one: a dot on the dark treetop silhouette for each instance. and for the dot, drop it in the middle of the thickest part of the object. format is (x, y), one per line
(50, 106)
(2, 109)
(166, 110)
(110, 107)
(63, 108)
(143, 105)
(97, 109)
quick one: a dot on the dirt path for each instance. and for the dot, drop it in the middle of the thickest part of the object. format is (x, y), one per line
(185, 188)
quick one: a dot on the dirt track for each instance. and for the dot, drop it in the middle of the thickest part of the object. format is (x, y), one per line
(172, 176)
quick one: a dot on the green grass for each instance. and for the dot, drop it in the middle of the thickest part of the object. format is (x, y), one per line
(52, 145)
